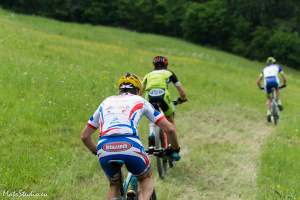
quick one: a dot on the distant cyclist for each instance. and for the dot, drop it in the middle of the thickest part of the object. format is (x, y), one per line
(156, 84)
(271, 74)
(117, 119)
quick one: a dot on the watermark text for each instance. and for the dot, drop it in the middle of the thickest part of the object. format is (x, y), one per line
(23, 193)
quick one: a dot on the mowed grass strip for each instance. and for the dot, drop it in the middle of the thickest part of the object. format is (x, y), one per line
(54, 75)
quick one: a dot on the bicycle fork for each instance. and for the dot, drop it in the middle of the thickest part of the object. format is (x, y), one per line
(161, 134)
(151, 137)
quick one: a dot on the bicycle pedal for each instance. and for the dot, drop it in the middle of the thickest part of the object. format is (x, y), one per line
(131, 194)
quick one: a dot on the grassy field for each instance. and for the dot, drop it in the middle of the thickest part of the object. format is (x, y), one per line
(53, 76)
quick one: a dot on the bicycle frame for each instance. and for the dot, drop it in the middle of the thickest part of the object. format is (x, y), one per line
(275, 111)
(160, 141)
(274, 107)
(131, 181)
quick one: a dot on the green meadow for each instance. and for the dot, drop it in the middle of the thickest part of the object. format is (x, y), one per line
(53, 75)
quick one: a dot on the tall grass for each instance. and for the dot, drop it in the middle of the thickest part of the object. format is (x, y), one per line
(54, 75)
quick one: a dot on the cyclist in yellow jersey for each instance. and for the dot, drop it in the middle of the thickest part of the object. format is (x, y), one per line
(155, 86)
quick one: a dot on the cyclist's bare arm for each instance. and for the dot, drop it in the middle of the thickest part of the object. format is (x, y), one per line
(181, 92)
(173, 78)
(258, 81)
(283, 78)
(169, 128)
(87, 139)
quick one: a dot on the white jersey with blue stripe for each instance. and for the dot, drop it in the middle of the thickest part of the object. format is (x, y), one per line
(272, 71)
(120, 115)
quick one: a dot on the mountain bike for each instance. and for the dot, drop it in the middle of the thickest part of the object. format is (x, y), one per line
(129, 186)
(158, 139)
(275, 111)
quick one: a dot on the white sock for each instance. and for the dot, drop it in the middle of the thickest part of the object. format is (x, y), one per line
(279, 102)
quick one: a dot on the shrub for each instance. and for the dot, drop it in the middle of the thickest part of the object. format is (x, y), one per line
(207, 23)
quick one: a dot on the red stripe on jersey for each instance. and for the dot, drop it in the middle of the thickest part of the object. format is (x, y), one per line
(147, 161)
(104, 132)
(135, 108)
(100, 126)
(91, 126)
(159, 119)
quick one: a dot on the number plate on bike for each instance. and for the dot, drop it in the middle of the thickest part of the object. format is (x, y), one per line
(156, 92)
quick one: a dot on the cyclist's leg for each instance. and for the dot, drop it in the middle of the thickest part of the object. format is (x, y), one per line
(277, 93)
(279, 103)
(114, 190)
(168, 107)
(269, 102)
(114, 177)
(268, 90)
(146, 185)
(113, 172)
(138, 163)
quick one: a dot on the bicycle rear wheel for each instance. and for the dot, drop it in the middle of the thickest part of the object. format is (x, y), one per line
(275, 112)
(276, 119)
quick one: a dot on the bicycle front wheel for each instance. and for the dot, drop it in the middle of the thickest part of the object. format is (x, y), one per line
(160, 162)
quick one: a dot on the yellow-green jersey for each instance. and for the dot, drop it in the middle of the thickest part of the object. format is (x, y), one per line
(155, 85)
(159, 79)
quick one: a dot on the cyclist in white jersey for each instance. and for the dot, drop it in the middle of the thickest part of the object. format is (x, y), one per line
(117, 119)
(270, 74)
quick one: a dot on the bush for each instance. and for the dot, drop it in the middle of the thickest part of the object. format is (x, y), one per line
(285, 46)
(258, 48)
(207, 23)
(255, 29)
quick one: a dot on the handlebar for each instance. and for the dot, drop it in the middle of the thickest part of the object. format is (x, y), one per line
(280, 87)
(179, 101)
(156, 151)
(160, 152)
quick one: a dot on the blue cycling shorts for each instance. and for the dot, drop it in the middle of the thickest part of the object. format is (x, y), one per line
(271, 82)
(127, 149)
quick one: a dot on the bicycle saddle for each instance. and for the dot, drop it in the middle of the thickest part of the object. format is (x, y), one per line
(116, 163)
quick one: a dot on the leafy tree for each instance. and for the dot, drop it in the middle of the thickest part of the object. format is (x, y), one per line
(254, 29)
(285, 46)
(207, 23)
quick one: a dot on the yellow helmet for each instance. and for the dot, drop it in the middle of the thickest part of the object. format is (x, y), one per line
(130, 80)
(271, 60)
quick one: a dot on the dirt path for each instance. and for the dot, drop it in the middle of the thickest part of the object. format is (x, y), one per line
(220, 155)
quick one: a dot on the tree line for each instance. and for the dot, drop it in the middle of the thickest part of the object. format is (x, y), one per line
(254, 29)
